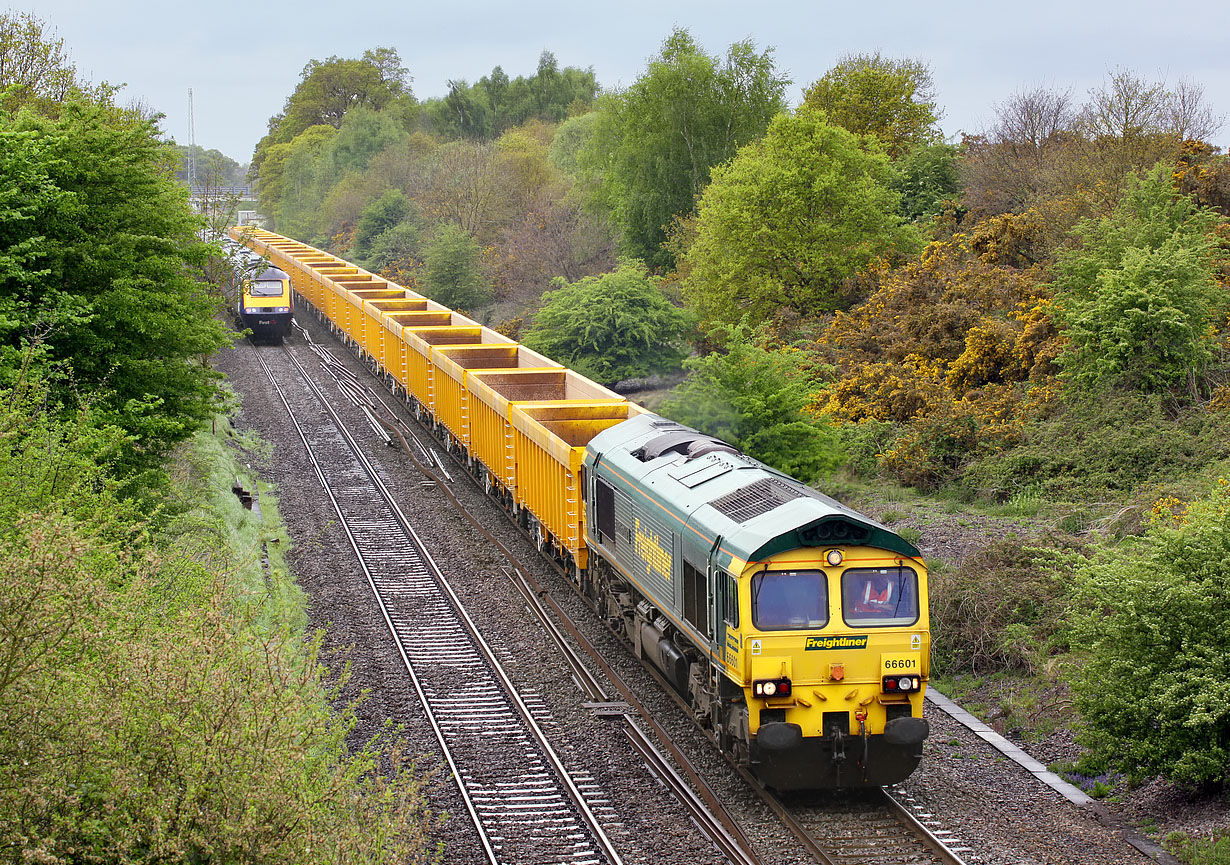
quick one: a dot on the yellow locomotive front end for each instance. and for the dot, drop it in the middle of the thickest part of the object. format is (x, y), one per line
(265, 304)
(833, 648)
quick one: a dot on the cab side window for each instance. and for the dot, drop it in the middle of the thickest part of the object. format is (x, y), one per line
(730, 600)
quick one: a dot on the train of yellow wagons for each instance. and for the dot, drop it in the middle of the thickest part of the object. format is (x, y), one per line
(795, 627)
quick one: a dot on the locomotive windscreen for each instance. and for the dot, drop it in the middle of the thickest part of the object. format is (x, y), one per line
(266, 288)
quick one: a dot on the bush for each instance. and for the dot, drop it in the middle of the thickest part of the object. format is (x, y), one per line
(453, 275)
(1153, 615)
(1001, 609)
(1139, 303)
(754, 397)
(159, 701)
(611, 327)
(1103, 446)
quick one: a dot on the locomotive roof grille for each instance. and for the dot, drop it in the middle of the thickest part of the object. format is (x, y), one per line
(758, 497)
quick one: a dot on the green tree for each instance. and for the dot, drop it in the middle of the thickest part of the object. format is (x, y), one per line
(96, 266)
(301, 176)
(788, 220)
(570, 138)
(927, 177)
(495, 103)
(363, 134)
(213, 167)
(869, 94)
(754, 397)
(328, 89)
(1155, 617)
(454, 276)
(611, 327)
(655, 143)
(378, 217)
(35, 69)
(1138, 300)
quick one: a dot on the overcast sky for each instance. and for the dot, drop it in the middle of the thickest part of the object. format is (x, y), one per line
(242, 59)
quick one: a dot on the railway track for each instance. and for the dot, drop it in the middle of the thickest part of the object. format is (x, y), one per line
(700, 802)
(872, 829)
(525, 804)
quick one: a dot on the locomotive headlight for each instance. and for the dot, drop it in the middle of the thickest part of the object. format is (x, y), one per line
(904, 684)
(771, 687)
(833, 557)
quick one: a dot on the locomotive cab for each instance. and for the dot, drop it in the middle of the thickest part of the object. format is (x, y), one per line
(264, 304)
(834, 665)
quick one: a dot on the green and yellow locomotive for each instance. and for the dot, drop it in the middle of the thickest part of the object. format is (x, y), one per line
(795, 627)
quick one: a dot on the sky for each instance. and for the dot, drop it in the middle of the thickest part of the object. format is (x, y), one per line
(242, 60)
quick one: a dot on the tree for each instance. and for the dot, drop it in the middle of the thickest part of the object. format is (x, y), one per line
(495, 103)
(1189, 116)
(378, 217)
(328, 89)
(1128, 107)
(1138, 301)
(299, 180)
(552, 239)
(753, 397)
(453, 275)
(213, 167)
(610, 327)
(869, 94)
(1125, 106)
(463, 187)
(96, 265)
(1154, 614)
(1032, 118)
(655, 143)
(927, 177)
(788, 220)
(35, 69)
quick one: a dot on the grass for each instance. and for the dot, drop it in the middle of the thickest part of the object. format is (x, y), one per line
(207, 470)
(1213, 850)
(1028, 707)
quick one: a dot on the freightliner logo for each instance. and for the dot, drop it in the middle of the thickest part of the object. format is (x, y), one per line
(838, 642)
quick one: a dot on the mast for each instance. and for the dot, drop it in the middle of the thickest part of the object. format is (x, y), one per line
(191, 142)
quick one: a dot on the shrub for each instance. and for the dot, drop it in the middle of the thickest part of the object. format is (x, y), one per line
(1153, 615)
(611, 327)
(1102, 446)
(453, 275)
(754, 397)
(1001, 609)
